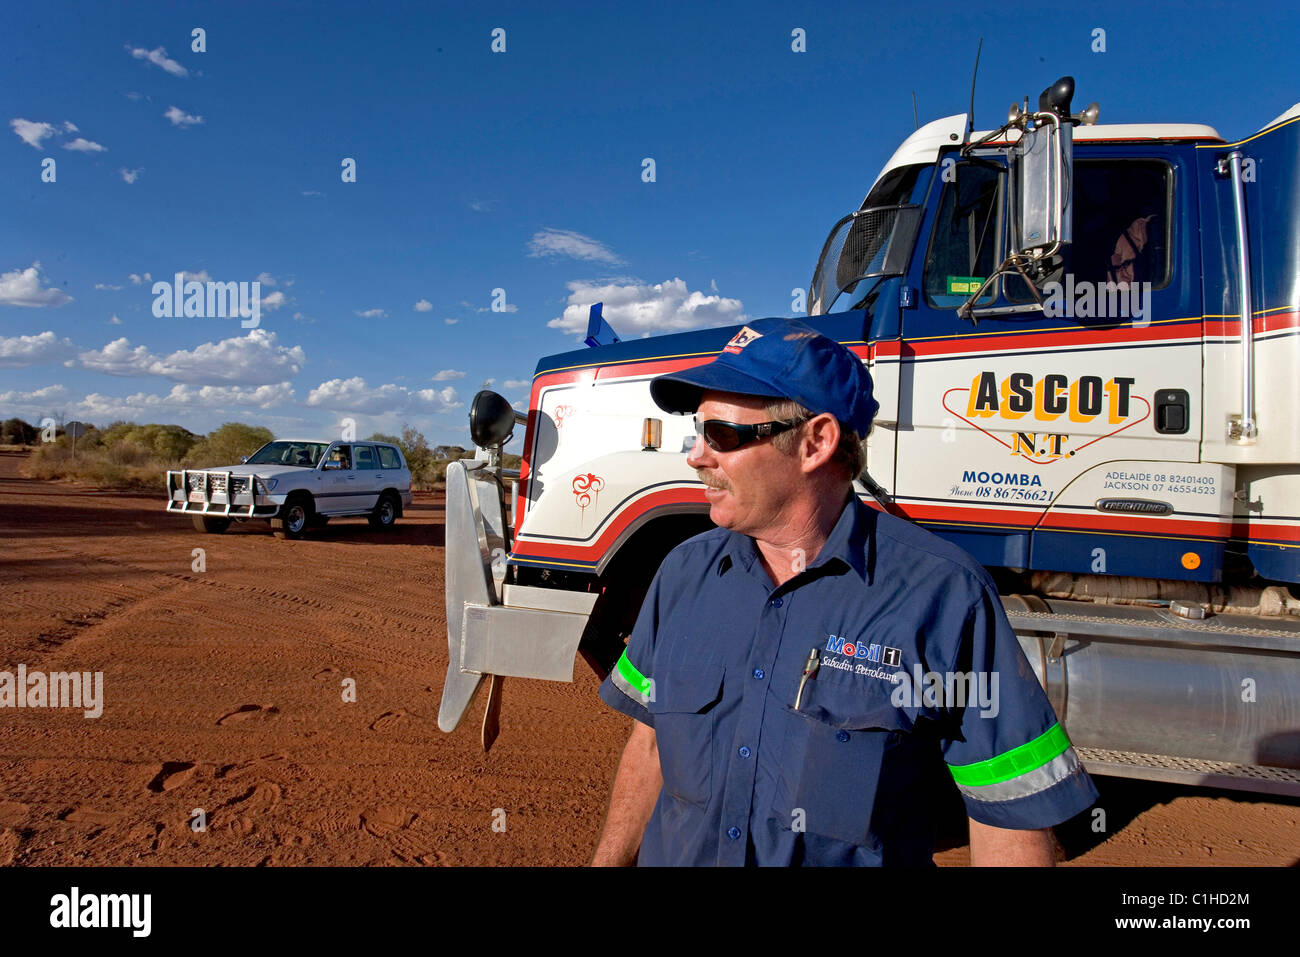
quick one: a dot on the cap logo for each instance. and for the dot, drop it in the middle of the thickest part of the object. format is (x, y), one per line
(741, 339)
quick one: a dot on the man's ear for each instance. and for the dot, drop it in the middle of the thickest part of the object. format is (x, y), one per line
(819, 438)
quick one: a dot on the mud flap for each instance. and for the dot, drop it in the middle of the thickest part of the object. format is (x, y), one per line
(475, 531)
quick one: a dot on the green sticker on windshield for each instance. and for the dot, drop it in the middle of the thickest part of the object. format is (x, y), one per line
(964, 285)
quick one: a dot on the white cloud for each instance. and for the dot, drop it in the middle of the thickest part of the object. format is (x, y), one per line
(22, 287)
(645, 309)
(114, 321)
(159, 58)
(565, 242)
(518, 383)
(187, 276)
(355, 396)
(83, 145)
(451, 322)
(133, 97)
(272, 301)
(488, 383)
(252, 360)
(104, 285)
(137, 279)
(70, 127)
(424, 305)
(448, 374)
(50, 392)
(508, 307)
(31, 132)
(371, 313)
(106, 408)
(18, 351)
(130, 175)
(266, 279)
(180, 118)
(303, 317)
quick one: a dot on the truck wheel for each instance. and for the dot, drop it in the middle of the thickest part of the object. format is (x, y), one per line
(385, 513)
(293, 518)
(213, 526)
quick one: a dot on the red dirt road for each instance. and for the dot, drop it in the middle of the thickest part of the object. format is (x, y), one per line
(224, 694)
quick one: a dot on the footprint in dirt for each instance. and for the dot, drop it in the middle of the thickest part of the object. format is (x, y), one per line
(387, 721)
(13, 814)
(172, 775)
(247, 711)
(90, 816)
(403, 832)
(326, 675)
(236, 770)
(261, 798)
(9, 844)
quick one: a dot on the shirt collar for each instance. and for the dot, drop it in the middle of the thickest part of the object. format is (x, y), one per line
(848, 543)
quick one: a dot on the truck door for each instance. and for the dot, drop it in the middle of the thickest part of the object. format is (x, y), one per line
(1001, 414)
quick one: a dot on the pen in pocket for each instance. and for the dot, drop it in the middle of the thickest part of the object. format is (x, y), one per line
(809, 670)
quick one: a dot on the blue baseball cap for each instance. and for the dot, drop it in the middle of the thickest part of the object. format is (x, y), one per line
(779, 359)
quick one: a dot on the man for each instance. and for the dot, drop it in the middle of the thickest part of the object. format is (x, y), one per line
(771, 669)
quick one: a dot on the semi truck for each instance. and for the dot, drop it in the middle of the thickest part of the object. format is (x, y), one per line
(1085, 343)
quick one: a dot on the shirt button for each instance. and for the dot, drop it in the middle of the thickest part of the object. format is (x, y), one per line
(744, 752)
(841, 736)
(733, 833)
(758, 673)
(777, 602)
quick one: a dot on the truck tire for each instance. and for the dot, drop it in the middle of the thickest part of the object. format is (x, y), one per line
(212, 526)
(293, 518)
(385, 513)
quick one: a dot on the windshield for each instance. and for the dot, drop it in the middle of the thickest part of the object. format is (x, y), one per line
(874, 242)
(305, 454)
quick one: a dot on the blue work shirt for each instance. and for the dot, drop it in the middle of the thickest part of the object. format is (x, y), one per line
(915, 667)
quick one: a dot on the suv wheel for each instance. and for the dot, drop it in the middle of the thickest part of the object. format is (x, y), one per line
(385, 513)
(213, 526)
(293, 519)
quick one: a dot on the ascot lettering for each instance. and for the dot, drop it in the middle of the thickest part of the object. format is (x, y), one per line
(1049, 398)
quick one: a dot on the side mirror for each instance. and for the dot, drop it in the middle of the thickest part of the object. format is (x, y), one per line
(1044, 163)
(332, 465)
(243, 460)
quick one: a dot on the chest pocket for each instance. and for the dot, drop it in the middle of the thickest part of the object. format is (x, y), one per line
(684, 708)
(837, 749)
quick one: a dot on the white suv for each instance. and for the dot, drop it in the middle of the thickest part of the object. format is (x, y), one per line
(296, 483)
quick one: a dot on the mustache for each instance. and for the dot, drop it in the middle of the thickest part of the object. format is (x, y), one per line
(712, 479)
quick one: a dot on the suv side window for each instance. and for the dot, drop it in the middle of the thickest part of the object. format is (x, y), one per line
(366, 457)
(388, 457)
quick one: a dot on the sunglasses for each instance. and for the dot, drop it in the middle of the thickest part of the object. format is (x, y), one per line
(727, 436)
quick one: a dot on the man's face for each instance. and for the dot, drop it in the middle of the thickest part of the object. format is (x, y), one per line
(748, 486)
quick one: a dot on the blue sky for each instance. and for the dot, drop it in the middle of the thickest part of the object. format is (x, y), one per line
(476, 171)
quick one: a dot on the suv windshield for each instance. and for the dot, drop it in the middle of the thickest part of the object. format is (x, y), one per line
(305, 454)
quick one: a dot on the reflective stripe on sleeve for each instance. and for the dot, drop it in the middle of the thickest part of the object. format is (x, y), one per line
(1035, 766)
(631, 682)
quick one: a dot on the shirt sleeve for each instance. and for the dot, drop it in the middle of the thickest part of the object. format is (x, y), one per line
(1010, 758)
(630, 686)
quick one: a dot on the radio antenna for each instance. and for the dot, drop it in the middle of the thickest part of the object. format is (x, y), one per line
(970, 115)
(915, 118)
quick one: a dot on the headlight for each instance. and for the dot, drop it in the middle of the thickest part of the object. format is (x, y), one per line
(269, 484)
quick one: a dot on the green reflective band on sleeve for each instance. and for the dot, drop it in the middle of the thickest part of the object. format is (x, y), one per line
(630, 681)
(1048, 746)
